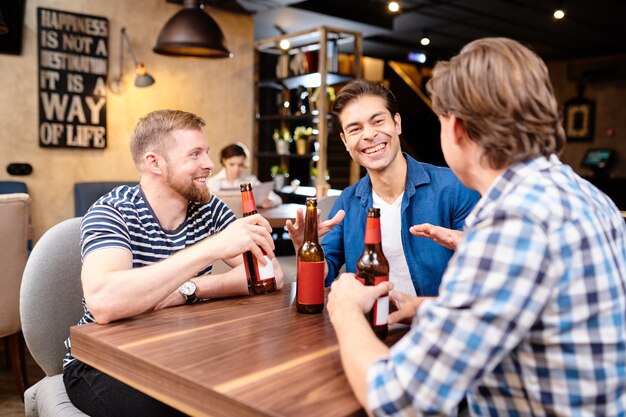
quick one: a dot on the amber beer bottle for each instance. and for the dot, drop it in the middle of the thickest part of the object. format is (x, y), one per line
(372, 268)
(311, 263)
(261, 279)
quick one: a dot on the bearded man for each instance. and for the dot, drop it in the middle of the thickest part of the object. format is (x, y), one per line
(152, 246)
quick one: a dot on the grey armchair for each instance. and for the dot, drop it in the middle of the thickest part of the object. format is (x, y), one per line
(50, 303)
(14, 235)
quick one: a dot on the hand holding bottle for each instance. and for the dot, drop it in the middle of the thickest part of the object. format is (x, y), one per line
(348, 295)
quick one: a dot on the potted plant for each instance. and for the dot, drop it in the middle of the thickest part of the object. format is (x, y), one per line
(314, 176)
(282, 137)
(301, 135)
(279, 174)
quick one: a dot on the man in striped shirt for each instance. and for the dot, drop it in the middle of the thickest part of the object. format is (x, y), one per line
(151, 246)
(531, 315)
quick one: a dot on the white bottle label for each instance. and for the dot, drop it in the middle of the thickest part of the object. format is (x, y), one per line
(381, 311)
(267, 271)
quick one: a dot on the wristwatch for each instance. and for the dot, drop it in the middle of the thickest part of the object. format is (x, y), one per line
(188, 290)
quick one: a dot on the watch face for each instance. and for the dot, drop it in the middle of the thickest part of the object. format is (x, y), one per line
(188, 288)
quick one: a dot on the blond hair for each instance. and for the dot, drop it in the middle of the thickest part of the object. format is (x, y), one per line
(502, 93)
(153, 132)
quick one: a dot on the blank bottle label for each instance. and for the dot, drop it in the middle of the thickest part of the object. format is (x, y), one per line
(311, 282)
(267, 271)
(381, 311)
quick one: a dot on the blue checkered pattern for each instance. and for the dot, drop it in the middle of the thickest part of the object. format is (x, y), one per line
(531, 317)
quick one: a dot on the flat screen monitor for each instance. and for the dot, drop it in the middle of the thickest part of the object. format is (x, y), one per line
(598, 158)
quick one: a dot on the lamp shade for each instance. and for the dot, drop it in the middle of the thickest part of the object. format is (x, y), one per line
(142, 78)
(191, 32)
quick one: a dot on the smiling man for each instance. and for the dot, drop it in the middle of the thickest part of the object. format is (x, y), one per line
(406, 191)
(151, 246)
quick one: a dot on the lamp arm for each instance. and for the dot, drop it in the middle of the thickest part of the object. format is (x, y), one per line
(130, 46)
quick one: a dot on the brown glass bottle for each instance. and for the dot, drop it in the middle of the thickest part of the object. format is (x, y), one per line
(372, 268)
(311, 263)
(261, 279)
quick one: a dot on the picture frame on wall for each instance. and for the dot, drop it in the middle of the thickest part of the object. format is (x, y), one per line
(579, 119)
(11, 26)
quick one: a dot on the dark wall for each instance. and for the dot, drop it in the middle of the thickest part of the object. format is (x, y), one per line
(420, 126)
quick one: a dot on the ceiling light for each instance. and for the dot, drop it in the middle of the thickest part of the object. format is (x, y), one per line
(284, 44)
(393, 6)
(192, 32)
(425, 40)
(559, 14)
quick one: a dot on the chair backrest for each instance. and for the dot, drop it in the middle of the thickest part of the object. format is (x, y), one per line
(232, 199)
(87, 193)
(325, 204)
(14, 234)
(51, 293)
(11, 187)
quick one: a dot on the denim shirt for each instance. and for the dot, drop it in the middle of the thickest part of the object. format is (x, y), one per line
(432, 195)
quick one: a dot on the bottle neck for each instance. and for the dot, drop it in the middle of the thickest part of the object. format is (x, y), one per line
(372, 231)
(247, 203)
(310, 225)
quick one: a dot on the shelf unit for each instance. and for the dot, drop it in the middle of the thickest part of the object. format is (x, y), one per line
(279, 80)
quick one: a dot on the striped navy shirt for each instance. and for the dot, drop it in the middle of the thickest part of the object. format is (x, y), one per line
(123, 218)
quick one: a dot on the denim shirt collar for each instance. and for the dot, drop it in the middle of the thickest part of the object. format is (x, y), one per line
(415, 176)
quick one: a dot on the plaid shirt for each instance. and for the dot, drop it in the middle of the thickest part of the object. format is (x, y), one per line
(530, 320)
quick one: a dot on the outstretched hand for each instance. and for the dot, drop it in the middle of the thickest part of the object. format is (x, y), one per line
(448, 238)
(296, 230)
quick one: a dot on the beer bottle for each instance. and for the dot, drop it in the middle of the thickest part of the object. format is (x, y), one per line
(372, 268)
(261, 279)
(311, 263)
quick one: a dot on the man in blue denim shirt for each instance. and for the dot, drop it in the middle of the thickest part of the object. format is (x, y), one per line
(407, 192)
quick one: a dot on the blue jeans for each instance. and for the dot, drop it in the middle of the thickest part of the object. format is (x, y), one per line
(100, 395)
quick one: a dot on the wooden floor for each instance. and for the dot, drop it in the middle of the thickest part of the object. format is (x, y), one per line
(11, 404)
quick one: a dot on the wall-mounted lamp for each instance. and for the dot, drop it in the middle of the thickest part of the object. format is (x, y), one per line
(142, 78)
(193, 33)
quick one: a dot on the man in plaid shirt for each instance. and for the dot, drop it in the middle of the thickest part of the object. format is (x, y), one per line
(531, 316)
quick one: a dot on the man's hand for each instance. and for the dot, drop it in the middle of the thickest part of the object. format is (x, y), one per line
(296, 231)
(406, 306)
(278, 274)
(448, 238)
(348, 296)
(252, 233)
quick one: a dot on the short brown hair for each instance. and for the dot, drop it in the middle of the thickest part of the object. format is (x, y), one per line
(153, 132)
(231, 150)
(358, 88)
(502, 93)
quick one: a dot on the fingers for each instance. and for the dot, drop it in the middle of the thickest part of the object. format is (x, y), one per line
(325, 226)
(257, 219)
(278, 274)
(421, 230)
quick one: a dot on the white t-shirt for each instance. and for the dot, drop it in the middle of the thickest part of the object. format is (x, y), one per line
(391, 225)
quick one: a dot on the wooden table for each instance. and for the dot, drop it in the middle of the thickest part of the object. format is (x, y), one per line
(277, 216)
(243, 356)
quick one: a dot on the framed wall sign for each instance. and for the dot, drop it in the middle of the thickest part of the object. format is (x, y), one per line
(73, 57)
(579, 115)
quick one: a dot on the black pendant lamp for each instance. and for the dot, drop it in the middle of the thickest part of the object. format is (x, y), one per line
(192, 32)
